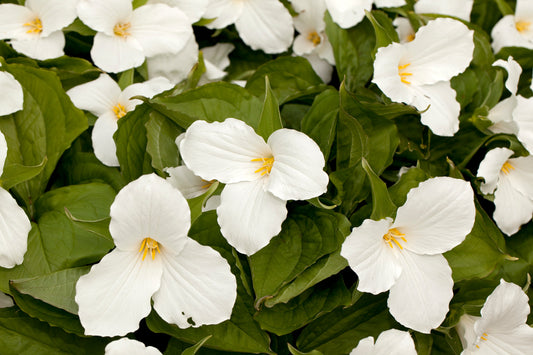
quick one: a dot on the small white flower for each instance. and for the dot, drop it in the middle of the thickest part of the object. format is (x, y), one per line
(390, 342)
(260, 176)
(35, 29)
(510, 181)
(190, 284)
(418, 73)
(403, 254)
(502, 327)
(104, 99)
(127, 346)
(458, 8)
(348, 13)
(515, 30)
(11, 94)
(126, 37)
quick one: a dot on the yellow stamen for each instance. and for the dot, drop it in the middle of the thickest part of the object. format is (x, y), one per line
(485, 334)
(315, 38)
(483, 338)
(266, 167)
(36, 26)
(119, 110)
(507, 167)
(522, 26)
(410, 37)
(392, 236)
(207, 183)
(121, 29)
(149, 244)
(403, 74)
(477, 346)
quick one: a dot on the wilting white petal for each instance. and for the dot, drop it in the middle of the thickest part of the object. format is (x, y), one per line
(115, 295)
(374, 261)
(223, 151)
(490, 168)
(183, 179)
(502, 116)
(174, 67)
(420, 298)
(197, 287)
(457, 8)
(129, 346)
(11, 96)
(14, 229)
(97, 96)
(524, 121)
(5, 301)
(103, 15)
(102, 138)
(224, 12)
(437, 215)
(512, 208)
(41, 48)
(54, 14)
(12, 20)
(265, 25)
(249, 216)
(348, 13)
(394, 342)
(298, 169)
(514, 70)
(115, 54)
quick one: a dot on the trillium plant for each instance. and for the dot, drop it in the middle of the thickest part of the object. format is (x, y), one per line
(280, 177)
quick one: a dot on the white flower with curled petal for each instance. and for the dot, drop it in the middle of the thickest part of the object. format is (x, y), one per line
(190, 284)
(104, 99)
(348, 13)
(509, 179)
(11, 94)
(125, 37)
(127, 346)
(260, 176)
(389, 342)
(35, 29)
(418, 73)
(515, 30)
(458, 8)
(502, 327)
(403, 254)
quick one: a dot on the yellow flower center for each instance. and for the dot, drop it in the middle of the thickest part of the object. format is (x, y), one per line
(392, 236)
(151, 245)
(121, 29)
(119, 110)
(403, 74)
(507, 167)
(315, 38)
(484, 338)
(207, 184)
(266, 167)
(36, 26)
(410, 37)
(522, 26)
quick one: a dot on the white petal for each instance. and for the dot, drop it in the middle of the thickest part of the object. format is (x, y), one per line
(373, 260)
(224, 12)
(41, 48)
(265, 25)
(437, 215)
(521, 176)
(302, 44)
(223, 151)
(524, 121)
(148, 89)
(364, 347)
(298, 169)
(11, 95)
(457, 8)
(129, 346)
(160, 29)
(524, 9)
(150, 207)
(3, 152)
(249, 216)
(218, 54)
(514, 70)
(490, 168)
(420, 297)
(5, 301)
(325, 51)
(102, 138)
(310, 15)
(389, 3)
(394, 342)
(103, 15)
(174, 67)
(12, 20)
(441, 50)
(194, 9)
(54, 14)
(505, 34)
(465, 329)
(97, 96)
(348, 13)
(115, 54)
(183, 179)
(502, 116)
(115, 295)
(518, 341)
(404, 29)
(320, 66)
(14, 229)
(197, 287)
(512, 208)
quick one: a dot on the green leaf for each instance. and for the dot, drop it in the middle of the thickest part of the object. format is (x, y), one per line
(307, 235)
(295, 351)
(72, 71)
(382, 205)
(79, 27)
(290, 78)
(125, 78)
(270, 119)
(196, 204)
(383, 28)
(194, 349)
(161, 136)
(15, 174)
(504, 7)
(409, 180)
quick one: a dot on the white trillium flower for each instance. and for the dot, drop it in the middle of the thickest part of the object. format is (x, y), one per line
(125, 346)
(104, 99)
(35, 29)
(194, 9)
(216, 60)
(458, 8)
(509, 179)
(515, 30)
(389, 342)
(502, 327)
(126, 37)
(260, 176)
(348, 13)
(11, 94)
(418, 73)
(190, 284)
(405, 31)
(261, 24)
(403, 254)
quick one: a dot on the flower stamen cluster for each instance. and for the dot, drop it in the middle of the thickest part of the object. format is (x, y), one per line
(392, 237)
(522, 26)
(507, 167)
(122, 29)
(36, 26)
(149, 244)
(403, 74)
(315, 38)
(119, 110)
(266, 167)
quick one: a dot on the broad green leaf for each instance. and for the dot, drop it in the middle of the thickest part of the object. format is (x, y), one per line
(194, 349)
(295, 351)
(285, 318)
(382, 205)
(270, 119)
(307, 235)
(21, 334)
(125, 78)
(486, 13)
(161, 135)
(290, 78)
(383, 28)
(504, 7)
(15, 174)
(409, 180)
(79, 27)
(72, 71)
